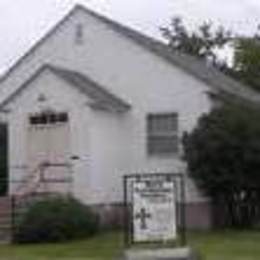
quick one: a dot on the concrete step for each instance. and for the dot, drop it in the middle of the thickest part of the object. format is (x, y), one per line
(5, 233)
(6, 213)
(5, 203)
(5, 236)
(5, 208)
(5, 220)
(5, 228)
(184, 253)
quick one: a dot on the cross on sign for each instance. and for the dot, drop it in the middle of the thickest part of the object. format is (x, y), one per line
(143, 215)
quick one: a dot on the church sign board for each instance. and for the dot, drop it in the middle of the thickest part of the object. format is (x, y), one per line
(154, 214)
(154, 210)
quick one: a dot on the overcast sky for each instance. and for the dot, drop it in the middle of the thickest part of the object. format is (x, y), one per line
(22, 22)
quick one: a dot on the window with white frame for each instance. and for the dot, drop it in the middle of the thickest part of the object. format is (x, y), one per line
(162, 134)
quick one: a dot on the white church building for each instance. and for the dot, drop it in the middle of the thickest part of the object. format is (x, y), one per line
(94, 100)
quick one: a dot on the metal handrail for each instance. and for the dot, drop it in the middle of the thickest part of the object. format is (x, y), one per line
(27, 178)
(38, 173)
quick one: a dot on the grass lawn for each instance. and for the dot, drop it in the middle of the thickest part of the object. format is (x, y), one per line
(229, 245)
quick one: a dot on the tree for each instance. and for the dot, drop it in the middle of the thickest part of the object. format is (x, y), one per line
(247, 61)
(201, 43)
(204, 41)
(223, 155)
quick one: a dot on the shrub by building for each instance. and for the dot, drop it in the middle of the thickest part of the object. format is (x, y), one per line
(223, 155)
(56, 219)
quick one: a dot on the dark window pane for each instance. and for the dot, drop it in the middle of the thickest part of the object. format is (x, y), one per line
(33, 120)
(43, 119)
(162, 145)
(48, 118)
(162, 123)
(162, 135)
(52, 118)
(63, 117)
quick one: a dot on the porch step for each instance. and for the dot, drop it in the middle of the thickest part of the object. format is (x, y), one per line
(183, 253)
(5, 219)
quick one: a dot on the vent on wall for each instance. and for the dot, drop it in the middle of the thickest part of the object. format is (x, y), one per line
(79, 34)
(41, 97)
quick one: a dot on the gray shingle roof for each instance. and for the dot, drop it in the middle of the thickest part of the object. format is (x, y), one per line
(219, 81)
(194, 66)
(101, 98)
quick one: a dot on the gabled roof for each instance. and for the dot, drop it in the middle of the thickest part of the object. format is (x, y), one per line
(198, 68)
(193, 65)
(101, 98)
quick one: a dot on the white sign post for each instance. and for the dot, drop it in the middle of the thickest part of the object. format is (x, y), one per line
(154, 210)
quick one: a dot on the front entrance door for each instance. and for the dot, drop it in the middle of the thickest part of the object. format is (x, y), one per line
(49, 151)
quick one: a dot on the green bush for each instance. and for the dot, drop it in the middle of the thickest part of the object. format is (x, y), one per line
(54, 220)
(223, 155)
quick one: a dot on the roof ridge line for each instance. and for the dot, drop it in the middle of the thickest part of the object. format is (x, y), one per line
(40, 41)
(59, 72)
(190, 64)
